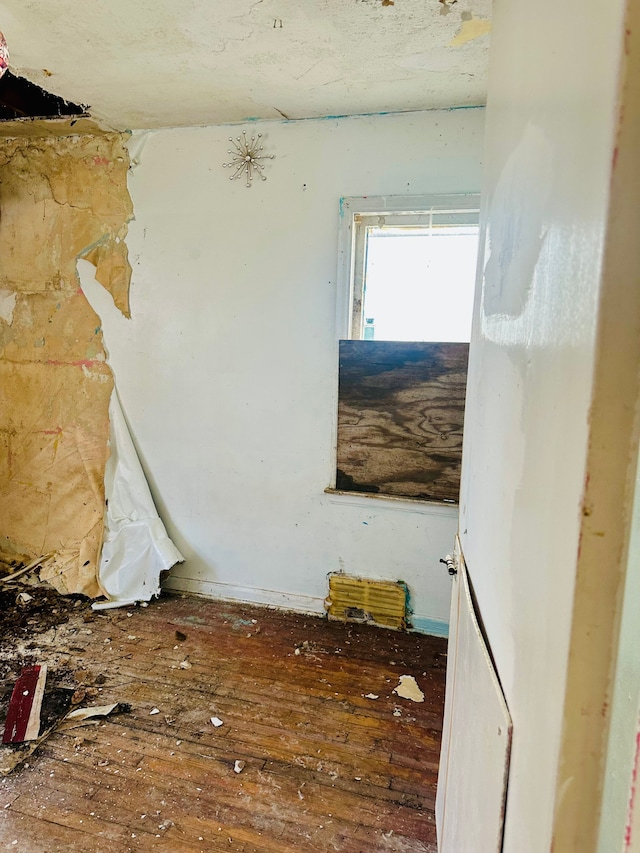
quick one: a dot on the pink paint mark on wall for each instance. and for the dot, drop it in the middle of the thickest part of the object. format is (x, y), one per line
(632, 796)
(85, 362)
(100, 161)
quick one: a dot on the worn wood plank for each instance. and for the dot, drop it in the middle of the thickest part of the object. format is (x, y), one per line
(326, 768)
(400, 418)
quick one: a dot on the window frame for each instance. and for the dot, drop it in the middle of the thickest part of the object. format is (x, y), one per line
(354, 215)
(350, 207)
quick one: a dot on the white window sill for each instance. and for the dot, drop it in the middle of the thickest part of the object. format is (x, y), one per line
(393, 502)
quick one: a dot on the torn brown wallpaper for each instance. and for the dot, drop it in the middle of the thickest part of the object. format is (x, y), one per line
(60, 199)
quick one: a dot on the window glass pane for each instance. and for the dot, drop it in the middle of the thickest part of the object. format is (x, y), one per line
(419, 282)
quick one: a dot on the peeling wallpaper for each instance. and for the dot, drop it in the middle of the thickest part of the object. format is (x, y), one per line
(60, 199)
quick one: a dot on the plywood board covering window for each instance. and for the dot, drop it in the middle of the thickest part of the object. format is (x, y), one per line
(400, 418)
(409, 269)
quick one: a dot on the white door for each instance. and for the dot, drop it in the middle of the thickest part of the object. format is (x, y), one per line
(476, 738)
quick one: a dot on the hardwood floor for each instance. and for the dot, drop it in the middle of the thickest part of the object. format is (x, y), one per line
(325, 767)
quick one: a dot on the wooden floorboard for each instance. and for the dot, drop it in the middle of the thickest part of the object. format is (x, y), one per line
(326, 768)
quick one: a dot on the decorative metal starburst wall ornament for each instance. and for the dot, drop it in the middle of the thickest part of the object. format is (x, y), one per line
(246, 158)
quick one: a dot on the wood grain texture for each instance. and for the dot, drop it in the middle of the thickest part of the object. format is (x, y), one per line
(400, 418)
(326, 769)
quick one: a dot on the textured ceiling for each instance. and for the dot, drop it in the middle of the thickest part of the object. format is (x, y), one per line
(152, 63)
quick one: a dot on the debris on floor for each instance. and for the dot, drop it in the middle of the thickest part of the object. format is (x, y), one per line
(40, 632)
(56, 716)
(304, 646)
(408, 689)
(238, 767)
(371, 696)
(82, 693)
(290, 721)
(23, 717)
(12, 758)
(39, 608)
(308, 650)
(217, 721)
(11, 572)
(86, 716)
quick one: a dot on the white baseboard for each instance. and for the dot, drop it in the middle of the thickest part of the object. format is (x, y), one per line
(432, 627)
(284, 600)
(246, 594)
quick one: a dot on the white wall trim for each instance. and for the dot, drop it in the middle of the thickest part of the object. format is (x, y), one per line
(430, 627)
(246, 594)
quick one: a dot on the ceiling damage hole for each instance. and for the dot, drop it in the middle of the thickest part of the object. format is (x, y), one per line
(19, 98)
(445, 6)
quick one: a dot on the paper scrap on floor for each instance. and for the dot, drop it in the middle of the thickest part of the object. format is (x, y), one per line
(408, 689)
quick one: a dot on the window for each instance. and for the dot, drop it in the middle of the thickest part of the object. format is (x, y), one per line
(408, 276)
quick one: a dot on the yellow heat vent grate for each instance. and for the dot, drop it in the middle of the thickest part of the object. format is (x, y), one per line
(363, 600)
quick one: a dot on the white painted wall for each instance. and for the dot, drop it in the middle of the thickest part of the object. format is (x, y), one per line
(228, 369)
(550, 124)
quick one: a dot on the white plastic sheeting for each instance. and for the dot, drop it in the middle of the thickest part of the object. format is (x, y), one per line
(136, 546)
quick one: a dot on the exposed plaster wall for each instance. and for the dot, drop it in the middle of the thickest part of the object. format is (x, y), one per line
(60, 199)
